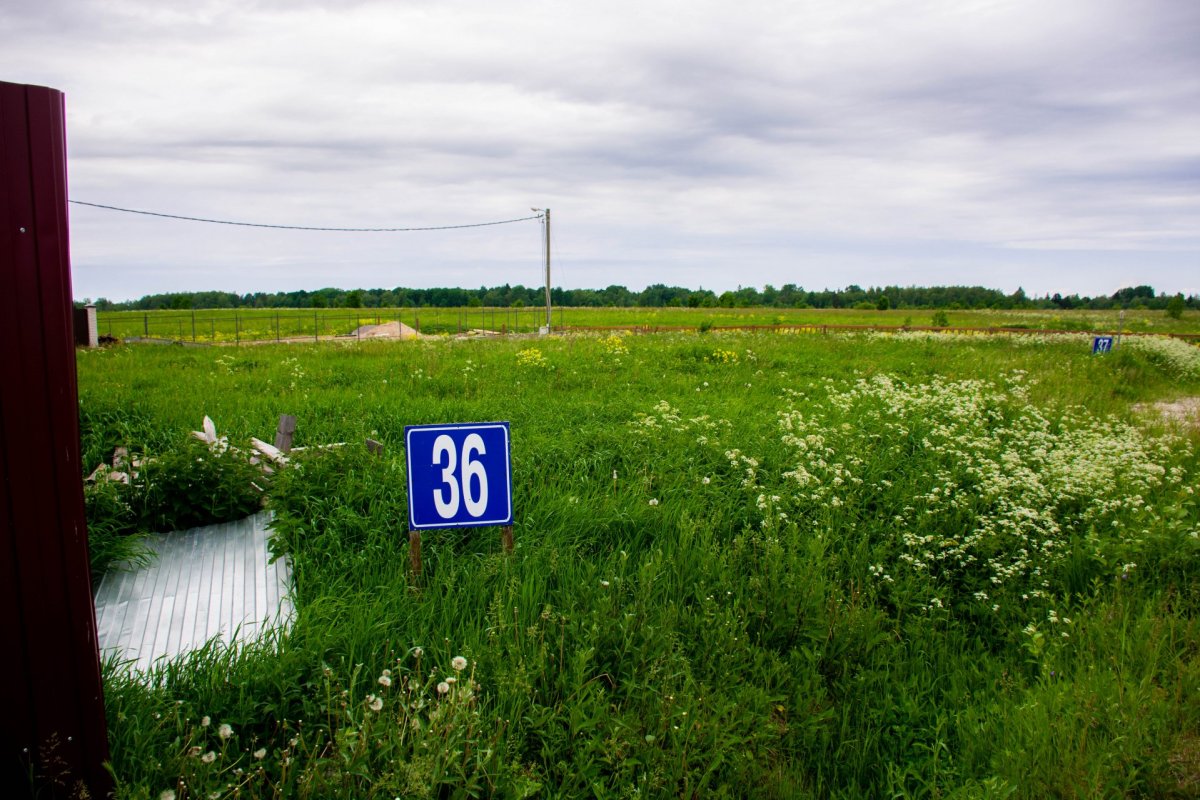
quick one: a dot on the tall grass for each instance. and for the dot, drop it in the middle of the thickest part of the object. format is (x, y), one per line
(745, 566)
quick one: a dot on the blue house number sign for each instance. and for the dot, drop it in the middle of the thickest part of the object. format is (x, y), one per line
(1102, 344)
(459, 475)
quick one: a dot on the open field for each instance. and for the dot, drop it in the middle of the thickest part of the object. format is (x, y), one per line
(227, 326)
(746, 565)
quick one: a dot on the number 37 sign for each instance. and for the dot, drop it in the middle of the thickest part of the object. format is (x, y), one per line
(458, 475)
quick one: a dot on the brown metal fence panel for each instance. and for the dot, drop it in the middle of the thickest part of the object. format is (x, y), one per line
(50, 681)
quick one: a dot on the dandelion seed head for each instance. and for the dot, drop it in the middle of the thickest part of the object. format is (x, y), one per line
(458, 663)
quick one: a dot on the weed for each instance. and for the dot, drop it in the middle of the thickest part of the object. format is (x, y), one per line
(855, 580)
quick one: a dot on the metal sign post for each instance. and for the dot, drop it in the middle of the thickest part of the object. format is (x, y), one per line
(459, 476)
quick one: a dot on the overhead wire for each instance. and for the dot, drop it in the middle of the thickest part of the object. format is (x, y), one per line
(304, 227)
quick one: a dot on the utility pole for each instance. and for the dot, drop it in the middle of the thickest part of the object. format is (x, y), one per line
(544, 214)
(547, 270)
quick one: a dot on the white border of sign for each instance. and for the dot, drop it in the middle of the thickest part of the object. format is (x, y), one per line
(480, 523)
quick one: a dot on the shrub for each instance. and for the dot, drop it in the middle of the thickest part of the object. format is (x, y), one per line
(184, 487)
(193, 485)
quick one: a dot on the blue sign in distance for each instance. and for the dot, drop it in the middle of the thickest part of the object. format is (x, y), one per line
(459, 475)
(1102, 344)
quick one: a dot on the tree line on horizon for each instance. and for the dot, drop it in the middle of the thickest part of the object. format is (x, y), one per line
(657, 296)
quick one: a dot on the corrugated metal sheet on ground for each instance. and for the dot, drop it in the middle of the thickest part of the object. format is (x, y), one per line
(204, 582)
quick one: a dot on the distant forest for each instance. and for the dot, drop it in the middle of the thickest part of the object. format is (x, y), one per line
(658, 296)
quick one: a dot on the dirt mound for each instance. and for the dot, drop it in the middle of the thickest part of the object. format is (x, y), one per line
(386, 330)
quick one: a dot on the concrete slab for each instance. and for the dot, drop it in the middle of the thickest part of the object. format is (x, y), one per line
(205, 582)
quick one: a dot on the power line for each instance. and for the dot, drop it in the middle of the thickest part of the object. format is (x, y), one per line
(302, 227)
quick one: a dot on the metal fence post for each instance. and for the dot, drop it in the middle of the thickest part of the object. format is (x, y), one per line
(50, 678)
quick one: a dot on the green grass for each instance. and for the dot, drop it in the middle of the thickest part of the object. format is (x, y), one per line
(745, 566)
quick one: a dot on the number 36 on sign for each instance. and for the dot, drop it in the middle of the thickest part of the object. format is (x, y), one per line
(459, 475)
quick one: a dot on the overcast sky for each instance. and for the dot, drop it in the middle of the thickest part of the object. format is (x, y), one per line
(1050, 144)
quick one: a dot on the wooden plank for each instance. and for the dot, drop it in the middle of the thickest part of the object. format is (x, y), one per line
(414, 553)
(285, 432)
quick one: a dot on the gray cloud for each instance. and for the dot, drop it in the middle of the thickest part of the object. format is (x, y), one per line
(1052, 146)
